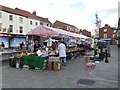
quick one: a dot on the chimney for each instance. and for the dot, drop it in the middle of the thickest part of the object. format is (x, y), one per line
(34, 12)
(106, 24)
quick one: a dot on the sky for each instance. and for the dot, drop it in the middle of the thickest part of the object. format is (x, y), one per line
(80, 13)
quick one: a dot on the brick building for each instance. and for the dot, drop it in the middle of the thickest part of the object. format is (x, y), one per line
(86, 33)
(108, 33)
(65, 26)
(70, 28)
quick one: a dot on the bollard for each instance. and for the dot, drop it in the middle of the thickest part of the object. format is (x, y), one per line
(106, 56)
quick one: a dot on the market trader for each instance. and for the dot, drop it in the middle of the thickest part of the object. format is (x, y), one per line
(95, 48)
(62, 53)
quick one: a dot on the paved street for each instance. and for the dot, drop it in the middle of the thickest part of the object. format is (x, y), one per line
(105, 75)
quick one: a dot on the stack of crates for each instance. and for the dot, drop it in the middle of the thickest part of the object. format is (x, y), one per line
(54, 63)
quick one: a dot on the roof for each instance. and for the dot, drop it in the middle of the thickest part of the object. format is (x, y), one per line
(43, 19)
(18, 11)
(86, 33)
(24, 13)
(65, 24)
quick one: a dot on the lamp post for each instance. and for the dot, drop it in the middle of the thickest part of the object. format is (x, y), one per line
(106, 56)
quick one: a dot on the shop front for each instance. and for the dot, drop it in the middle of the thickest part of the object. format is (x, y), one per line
(5, 38)
(12, 40)
(15, 42)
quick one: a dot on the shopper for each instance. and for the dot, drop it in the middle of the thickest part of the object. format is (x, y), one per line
(36, 46)
(86, 47)
(62, 53)
(31, 46)
(22, 46)
(54, 46)
(2, 46)
(95, 48)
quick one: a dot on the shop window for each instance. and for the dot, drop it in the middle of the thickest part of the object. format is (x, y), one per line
(21, 19)
(11, 17)
(21, 29)
(10, 28)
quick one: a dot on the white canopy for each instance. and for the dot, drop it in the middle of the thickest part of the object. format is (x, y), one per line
(60, 31)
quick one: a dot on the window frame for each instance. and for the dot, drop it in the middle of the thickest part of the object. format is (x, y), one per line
(31, 22)
(20, 19)
(47, 24)
(11, 17)
(10, 29)
(20, 29)
(105, 30)
(106, 35)
(36, 23)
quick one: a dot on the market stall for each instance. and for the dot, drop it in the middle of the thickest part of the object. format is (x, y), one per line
(45, 57)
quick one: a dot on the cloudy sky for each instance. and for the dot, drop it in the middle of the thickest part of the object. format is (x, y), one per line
(80, 13)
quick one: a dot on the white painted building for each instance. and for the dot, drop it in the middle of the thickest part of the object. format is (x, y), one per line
(16, 23)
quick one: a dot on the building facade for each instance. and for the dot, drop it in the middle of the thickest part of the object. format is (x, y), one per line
(16, 23)
(70, 28)
(108, 33)
(65, 26)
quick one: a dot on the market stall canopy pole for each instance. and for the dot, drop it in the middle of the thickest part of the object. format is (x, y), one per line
(43, 31)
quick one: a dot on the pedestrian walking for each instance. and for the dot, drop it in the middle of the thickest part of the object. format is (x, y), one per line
(62, 53)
